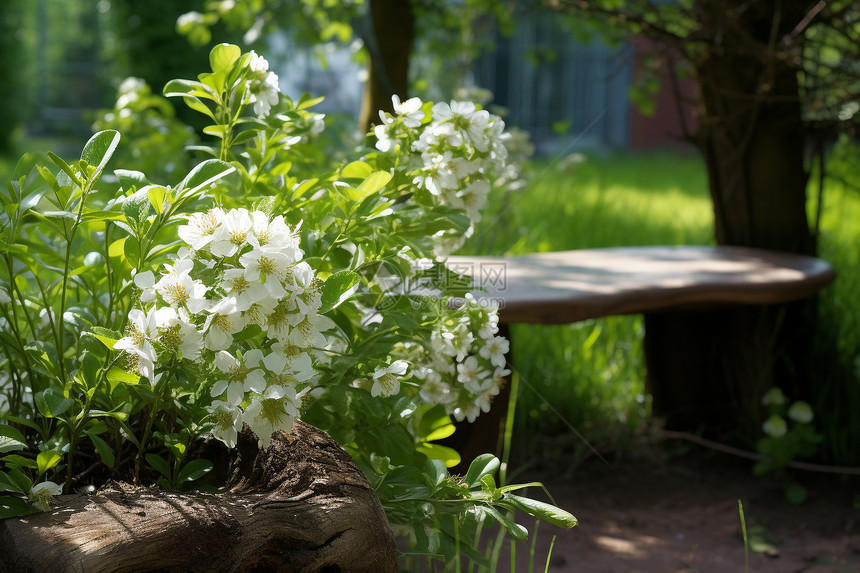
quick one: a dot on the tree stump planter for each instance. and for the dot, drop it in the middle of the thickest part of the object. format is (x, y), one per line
(300, 506)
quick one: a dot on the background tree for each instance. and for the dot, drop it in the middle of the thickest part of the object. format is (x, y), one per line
(775, 81)
(389, 31)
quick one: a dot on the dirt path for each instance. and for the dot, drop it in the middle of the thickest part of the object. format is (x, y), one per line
(682, 516)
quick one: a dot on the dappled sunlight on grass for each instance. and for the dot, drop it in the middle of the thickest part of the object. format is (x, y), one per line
(590, 375)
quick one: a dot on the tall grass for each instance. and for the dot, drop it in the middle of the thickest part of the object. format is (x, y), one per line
(837, 349)
(590, 375)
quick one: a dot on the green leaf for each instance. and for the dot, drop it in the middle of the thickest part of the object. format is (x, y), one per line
(117, 375)
(100, 147)
(159, 464)
(197, 105)
(194, 470)
(303, 187)
(89, 368)
(136, 207)
(375, 182)
(131, 249)
(116, 249)
(337, 289)
(435, 424)
(104, 450)
(516, 530)
(484, 464)
(438, 452)
(356, 170)
(218, 131)
(107, 336)
(11, 439)
(20, 461)
(52, 403)
(205, 174)
(129, 179)
(222, 56)
(543, 511)
(14, 507)
(47, 460)
(59, 162)
(15, 480)
(305, 101)
(156, 194)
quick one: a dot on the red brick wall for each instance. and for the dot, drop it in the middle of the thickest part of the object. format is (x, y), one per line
(664, 128)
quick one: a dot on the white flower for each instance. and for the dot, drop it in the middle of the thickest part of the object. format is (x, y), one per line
(257, 63)
(773, 397)
(201, 227)
(248, 293)
(472, 376)
(462, 340)
(232, 234)
(435, 390)
(227, 421)
(275, 410)
(177, 288)
(141, 330)
(145, 281)
(775, 426)
(300, 277)
(500, 378)
(274, 235)
(292, 368)
(384, 140)
(178, 332)
(800, 412)
(443, 343)
(4, 297)
(262, 264)
(223, 322)
(386, 381)
(468, 411)
(242, 375)
(267, 94)
(495, 351)
(409, 111)
(49, 486)
(42, 493)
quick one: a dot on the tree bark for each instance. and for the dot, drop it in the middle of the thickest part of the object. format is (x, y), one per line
(709, 370)
(300, 506)
(389, 43)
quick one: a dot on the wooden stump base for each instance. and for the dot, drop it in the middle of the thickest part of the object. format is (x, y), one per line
(300, 506)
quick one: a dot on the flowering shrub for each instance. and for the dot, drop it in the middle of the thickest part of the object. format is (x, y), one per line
(140, 319)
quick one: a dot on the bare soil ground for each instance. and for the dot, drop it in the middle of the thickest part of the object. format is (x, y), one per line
(679, 513)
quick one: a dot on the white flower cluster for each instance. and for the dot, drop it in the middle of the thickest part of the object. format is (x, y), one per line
(461, 149)
(263, 87)
(466, 367)
(240, 269)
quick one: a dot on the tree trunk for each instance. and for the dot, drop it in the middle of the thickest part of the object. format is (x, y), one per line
(302, 505)
(711, 369)
(389, 43)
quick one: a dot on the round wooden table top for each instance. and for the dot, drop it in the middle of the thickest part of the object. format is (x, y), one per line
(569, 286)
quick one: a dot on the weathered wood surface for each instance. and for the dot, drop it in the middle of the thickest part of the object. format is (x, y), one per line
(300, 506)
(570, 286)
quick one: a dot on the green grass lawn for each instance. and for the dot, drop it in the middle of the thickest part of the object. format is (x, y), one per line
(590, 375)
